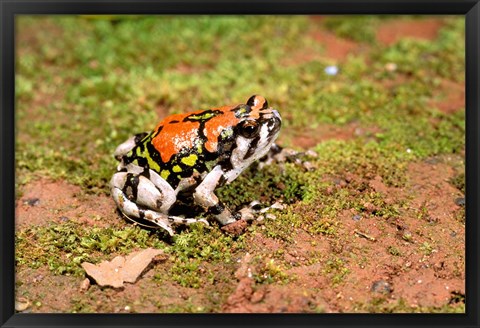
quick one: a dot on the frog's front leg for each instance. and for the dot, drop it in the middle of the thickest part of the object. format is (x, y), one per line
(204, 196)
(142, 194)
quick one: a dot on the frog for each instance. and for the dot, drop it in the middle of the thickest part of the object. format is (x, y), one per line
(193, 154)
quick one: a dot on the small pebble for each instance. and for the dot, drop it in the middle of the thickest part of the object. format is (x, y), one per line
(257, 296)
(64, 219)
(381, 287)
(32, 201)
(391, 67)
(38, 278)
(331, 70)
(357, 217)
(85, 285)
(460, 201)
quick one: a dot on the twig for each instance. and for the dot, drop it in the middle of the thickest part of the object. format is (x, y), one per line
(364, 235)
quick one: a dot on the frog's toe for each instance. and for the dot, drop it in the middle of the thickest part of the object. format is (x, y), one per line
(255, 211)
(247, 214)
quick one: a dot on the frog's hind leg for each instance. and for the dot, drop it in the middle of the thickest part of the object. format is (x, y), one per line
(145, 196)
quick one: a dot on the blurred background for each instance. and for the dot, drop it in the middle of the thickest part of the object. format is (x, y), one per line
(378, 226)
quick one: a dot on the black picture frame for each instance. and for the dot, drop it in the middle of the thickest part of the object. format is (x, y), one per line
(10, 8)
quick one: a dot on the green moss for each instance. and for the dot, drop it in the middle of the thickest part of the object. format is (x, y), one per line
(270, 271)
(64, 247)
(426, 248)
(336, 270)
(193, 249)
(393, 251)
(348, 28)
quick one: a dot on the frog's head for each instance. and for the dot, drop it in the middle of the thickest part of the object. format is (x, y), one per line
(255, 132)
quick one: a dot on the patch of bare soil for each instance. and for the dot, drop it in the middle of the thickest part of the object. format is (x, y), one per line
(334, 47)
(450, 97)
(45, 202)
(417, 257)
(311, 137)
(391, 31)
(32, 283)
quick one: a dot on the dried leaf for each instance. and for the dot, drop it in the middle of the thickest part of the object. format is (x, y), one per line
(121, 269)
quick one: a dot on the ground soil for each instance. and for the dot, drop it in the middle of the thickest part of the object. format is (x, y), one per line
(428, 278)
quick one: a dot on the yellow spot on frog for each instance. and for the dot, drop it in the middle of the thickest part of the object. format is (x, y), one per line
(153, 165)
(227, 133)
(165, 174)
(204, 116)
(177, 169)
(190, 160)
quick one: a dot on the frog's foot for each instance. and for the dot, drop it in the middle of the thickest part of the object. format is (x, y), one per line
(255, 211)
(278, 154)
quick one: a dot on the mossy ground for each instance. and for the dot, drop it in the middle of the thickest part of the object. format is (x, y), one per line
(380, 204)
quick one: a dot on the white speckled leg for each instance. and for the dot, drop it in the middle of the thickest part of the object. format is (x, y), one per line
(147, 199)
(204, 196)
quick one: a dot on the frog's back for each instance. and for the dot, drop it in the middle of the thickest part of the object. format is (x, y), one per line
(183, 144)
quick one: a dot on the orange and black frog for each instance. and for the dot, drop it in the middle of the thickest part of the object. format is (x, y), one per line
(193, 153)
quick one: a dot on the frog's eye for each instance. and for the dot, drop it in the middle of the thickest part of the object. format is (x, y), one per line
(257, 102)
(249, 129)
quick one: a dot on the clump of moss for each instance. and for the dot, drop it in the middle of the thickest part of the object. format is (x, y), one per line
(195, 250)
(336, 270)
(270, 271)
(348, 28)
(63, 247)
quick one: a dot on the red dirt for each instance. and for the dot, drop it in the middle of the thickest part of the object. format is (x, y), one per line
(391, 31)
(308, 138)
(59, 202)
(335, 47)
(450, 97)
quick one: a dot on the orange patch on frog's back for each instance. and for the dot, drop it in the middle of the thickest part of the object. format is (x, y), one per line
(174, 136)
(215, 126)
(177, 134)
